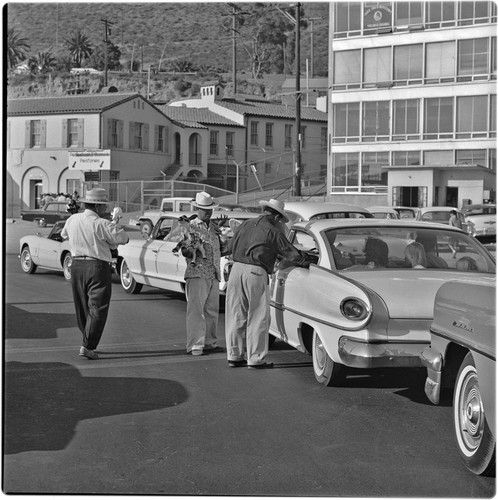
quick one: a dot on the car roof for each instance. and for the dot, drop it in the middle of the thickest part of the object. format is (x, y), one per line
(309, 208)
(322, 224)
(438, 209)
(381, 209)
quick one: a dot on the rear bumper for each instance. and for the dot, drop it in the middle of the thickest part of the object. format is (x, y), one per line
(433, 361)
(357, 354)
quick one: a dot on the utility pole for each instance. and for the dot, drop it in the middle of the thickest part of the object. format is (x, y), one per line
(297, 172)
(107, 31)
(235, 12)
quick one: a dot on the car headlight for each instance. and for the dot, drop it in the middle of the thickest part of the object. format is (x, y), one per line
(354, 309)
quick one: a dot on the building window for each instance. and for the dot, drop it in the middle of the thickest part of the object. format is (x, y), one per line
(267, 168)
(138, 136)
(114, 134)
(440, 14)
(473, 13)
(347, 122)
(406, 119)
(347, 19)
(440, 62)
(473, 58)
(371, 168)
(303, 137)
(408, 63)
(323, 138)
(377, 65)
(375, 121)
(438, 158)
(213, 142)
(345, 170)
(407, 13)
(229, 143)
(405, 158)
(492, 159)
(35, 134)
(492, 115)
(254, 133)
(269, 135)
(472, 117)
(438, 123)
(288, 136)
(161, 129)
(347, 69)
(471, 157)
(72, 132)
(493, 56)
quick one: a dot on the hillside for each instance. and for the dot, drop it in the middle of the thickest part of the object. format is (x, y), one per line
(145, 31)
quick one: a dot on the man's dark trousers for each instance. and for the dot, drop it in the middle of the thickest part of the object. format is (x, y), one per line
(91, 281)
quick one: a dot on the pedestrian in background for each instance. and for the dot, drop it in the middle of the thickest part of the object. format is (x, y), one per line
(455, 222)
(91, 238)
(202, 281)
(255, 247)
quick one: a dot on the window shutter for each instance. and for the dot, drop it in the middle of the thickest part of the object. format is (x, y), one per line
(81, 131)
(156, 138)
(43, 133)
(109, 132)
(120, 134)
(27, 134)
(145, 141)
(166, 140)
(64, 133)
(131, 144)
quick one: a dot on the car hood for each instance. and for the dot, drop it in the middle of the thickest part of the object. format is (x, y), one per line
(411, 293)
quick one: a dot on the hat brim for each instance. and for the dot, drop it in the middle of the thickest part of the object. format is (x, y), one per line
(264, 204)
(205, 207)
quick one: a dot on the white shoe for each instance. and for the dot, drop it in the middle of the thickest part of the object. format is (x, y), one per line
(88, 353)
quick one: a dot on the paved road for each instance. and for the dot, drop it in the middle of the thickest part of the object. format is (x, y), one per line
(147, 419)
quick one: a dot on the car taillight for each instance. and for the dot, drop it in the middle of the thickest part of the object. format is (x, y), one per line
(354, 309)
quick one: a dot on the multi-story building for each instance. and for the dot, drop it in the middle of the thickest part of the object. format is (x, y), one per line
(412, 102)
(264, 150)
(55, 144)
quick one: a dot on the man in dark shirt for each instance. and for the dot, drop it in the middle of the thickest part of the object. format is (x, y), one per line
(255, 247)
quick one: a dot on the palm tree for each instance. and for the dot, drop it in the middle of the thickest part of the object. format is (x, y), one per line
(17, 48)
(182, 66)
(44, 62)
(79, 47)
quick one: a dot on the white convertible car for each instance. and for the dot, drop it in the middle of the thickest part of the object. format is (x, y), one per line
(48, 252)
(362, 304)
(152, 261)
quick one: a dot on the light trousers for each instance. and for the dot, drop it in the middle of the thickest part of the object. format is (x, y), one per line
(247, 314)
(203, 304)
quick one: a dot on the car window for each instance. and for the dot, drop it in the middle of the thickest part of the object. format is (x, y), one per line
(356, 248)
(185, 207)
(164, 229)
(340, 215)
(303, 241)
(167, 206)
(436, 216)
(55, 207)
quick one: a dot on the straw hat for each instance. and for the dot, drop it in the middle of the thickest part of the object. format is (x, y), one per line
(95, 196)
(204, 200)
(276, 205)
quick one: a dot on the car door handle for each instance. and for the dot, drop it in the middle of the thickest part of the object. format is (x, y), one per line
(155, 251)
(281, 282)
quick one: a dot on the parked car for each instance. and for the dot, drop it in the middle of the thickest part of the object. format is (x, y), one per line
(481, 220)
(462, 359)
(48, 252)
(441, 215)
(310, 210)
(52, 212)
(406, 212)
(365, 309)
(383, 212)
(152, 261)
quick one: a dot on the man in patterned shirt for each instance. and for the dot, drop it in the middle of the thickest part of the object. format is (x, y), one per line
(202, 279)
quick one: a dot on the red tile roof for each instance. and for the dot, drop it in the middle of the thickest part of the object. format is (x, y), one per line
(195, 117)
(90, 103)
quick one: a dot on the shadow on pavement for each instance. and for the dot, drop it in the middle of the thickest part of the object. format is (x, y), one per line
(43, 402)
(20, 324)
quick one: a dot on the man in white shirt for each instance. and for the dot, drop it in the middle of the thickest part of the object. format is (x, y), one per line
(92, 238)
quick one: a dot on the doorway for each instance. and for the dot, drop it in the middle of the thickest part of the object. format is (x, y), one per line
(451, 196)
(35, 192)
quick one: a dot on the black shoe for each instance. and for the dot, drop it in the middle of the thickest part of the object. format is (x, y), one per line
(237, 363)
(260, 366)
(209, 350)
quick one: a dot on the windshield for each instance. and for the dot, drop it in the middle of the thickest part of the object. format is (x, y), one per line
(371, 248)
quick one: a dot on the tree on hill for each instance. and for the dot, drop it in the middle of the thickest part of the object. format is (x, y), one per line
(97, 59)
(43, 62)
(79, 47)
(17, 48)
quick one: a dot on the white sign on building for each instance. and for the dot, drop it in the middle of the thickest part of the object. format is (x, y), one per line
(98, 159)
